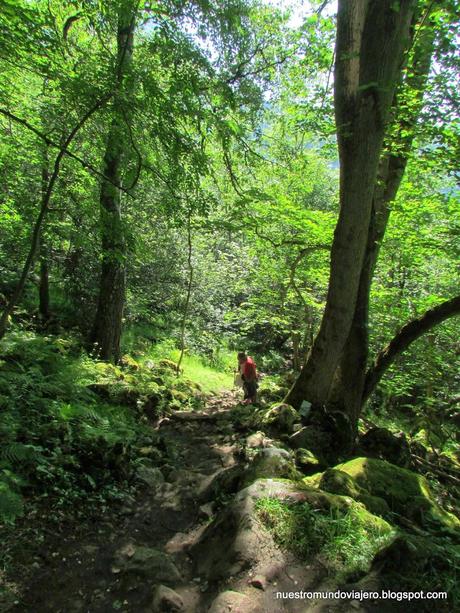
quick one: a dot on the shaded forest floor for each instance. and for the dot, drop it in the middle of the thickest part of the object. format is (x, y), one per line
(116, 561)
(148, 554)
(77, 570)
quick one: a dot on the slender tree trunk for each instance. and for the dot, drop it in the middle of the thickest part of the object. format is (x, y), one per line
(407, 335)
(296, 361)
(37, 228)
(347, 389)
(371, 40)
(189, 293)
(43, 287)
(43, 290)
(107, 328)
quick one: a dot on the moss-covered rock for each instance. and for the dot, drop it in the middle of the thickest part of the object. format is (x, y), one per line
(129, 363)
(271, 394)
(168, 365)
(383, 444)
(281, 417)
(339, 482)
(181, 397)
(314, 439)
(246, 417)
(271, 462)
(375, 505)
(306, 460)
(404, 491)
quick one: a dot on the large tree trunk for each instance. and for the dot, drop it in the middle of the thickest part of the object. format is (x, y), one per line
(407, 335)
(347, 391)
(107, 328)
(371, 40)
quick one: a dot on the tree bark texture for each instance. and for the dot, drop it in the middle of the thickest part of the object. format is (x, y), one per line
(107, 328)
(189, 293)
(44, 288)
(347, 391)
(371, 40)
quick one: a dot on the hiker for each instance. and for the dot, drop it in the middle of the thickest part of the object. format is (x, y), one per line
(247, 369)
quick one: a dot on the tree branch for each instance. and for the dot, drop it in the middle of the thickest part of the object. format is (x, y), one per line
(407, 335)
(52, 143)
(42, 214)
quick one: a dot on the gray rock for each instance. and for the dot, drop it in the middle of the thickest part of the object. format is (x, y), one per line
(206, 511)
(234, 601)
(237, 532)
(166, 600)
(151, 476)
(257, 439)
(147, 562)
(271, 462)
(225, 481)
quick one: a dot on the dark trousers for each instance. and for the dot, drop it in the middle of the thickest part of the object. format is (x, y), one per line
(250, 390)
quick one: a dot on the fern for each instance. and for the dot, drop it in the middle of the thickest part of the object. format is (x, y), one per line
(11, 505)
(15, 453)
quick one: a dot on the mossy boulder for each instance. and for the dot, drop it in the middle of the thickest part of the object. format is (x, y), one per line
(375, 505)
(403, 490)
(246, 417)
(181, 397)
(129, 363)
(412, 563)
(270, 394)
(385, 445)
(306, 460)
(372, 521)
(281, 417)
(271, 462)
(339, 482)
(168, 365)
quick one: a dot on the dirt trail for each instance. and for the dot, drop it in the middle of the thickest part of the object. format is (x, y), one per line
(82, 573)
(117, 562)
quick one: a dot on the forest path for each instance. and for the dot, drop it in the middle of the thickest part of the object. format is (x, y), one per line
(115, 563)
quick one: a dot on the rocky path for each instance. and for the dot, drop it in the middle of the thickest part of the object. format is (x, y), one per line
(192, 540)
(121, 562)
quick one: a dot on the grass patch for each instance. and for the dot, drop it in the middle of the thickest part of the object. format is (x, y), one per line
(345, 541)
(212, 380)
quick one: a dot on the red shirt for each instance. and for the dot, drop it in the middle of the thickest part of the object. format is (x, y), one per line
(248, 369)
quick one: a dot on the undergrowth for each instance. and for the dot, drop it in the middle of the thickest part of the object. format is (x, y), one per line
(73, 428)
